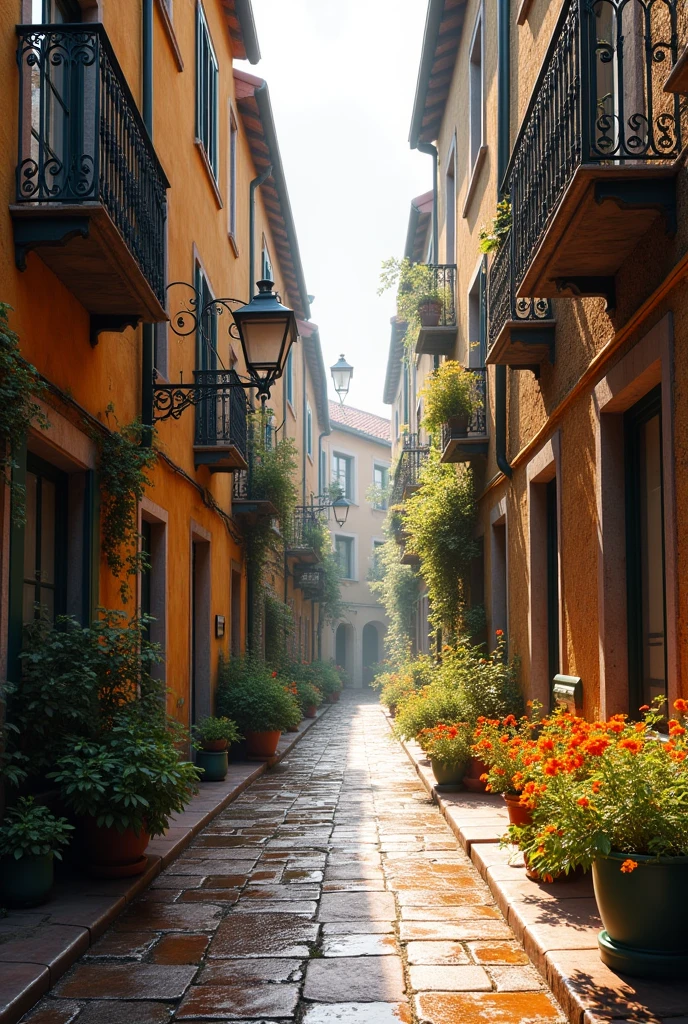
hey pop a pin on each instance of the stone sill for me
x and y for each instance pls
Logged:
(557, 924)
(37, 946)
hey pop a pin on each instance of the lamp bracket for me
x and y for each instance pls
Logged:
(170, 400)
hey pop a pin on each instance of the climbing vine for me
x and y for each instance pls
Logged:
(20, 386)
(440, 518)
(123, 465)
(397, 587)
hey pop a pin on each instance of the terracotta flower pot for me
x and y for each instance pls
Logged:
(643, 913)
(114, 854)
(430, 312)
(333, 698)
(518, 813)
(26, 882)
(447, 775)
(263, 744)
(310, 712)
(471, 779)
(215, 746)
(293, 728)
(458, 425)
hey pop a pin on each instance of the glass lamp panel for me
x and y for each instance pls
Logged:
(263, 342)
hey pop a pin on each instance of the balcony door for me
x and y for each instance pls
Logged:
(54, 12)
(645, 551)
(45, 541)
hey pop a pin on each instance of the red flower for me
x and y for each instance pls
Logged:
(499, 632)
(274, 675)
(583, 801)
(681, 705)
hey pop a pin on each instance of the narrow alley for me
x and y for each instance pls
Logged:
(332, 890)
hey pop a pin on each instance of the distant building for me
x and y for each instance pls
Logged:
(357, 456)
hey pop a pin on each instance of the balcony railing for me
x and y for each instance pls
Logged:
(310, 579)
(598, 103)
(221, 420)
(411, 461)
(462, 442)
(523, 327)
(82, 140)
(438, 312)
(304, 533)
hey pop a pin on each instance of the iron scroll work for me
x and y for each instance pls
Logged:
(212, 383)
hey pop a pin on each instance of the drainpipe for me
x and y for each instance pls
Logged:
(503, 145)
(256, 183)
(148, 333)
(430, 150)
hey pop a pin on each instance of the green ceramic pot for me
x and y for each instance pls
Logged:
(643, 913)
(26, 882)
(447, 775)
(214, 764)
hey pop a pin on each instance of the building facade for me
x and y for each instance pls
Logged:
(356, 458)
(572, 325)
(144, 181)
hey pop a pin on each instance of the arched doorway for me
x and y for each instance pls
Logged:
(344, 647)
(371, 651)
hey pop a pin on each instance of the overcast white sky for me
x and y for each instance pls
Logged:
(342, 77)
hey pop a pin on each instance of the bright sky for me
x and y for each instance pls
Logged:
(342, 77)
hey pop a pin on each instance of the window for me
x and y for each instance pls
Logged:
(309, 430)
(344, 551)
(450, 212)
(645, 551)
(232, 204)
(54, 12)
(477, 320)
(206, 333)
(475, 94)
(45, 541)
(342, 474)
(380, 483)
(289, 377)
(553, 653)
(266, 271)
(206, 91)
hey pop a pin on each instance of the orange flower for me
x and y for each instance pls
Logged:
(596, 747)
(635, 746)
(646, 707)
(499, 632)
(583, 802)
(681, 705)
(553, 766)
(677, 730)
(628, 866)
(483, 777)
(596, 786)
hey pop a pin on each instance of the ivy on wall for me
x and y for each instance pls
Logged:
(397, 587)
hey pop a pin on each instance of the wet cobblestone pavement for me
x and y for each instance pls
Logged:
(331, 892)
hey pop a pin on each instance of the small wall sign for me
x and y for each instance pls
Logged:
(219, 626)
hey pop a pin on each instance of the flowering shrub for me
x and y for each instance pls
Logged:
(508, 747)
(614, 786)
(450, 745)
(395, 686)
(308, 696)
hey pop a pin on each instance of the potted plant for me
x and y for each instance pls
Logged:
(30, 839)
(449, 750)
(213, 737)
(309, 697)
(123, 787)
(449, 397)
(508, 749)
(258, 702)
(615, 799)
(420, 303)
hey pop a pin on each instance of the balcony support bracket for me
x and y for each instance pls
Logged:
(642, 194)
(533, 335)
(39, 232)
(101, 323)
(582, 287)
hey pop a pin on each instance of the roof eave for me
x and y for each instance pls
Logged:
(244, 13)
(427, 58)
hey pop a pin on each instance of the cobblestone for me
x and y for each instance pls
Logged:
(330, 892)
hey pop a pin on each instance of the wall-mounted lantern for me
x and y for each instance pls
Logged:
(342, 372)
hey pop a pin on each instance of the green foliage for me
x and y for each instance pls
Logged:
(254, 697)
(396, 685)
(449, 745)
(332, 607)
(321, 674)
(308, 696)
(123, 466)
(440, 518)
(132, 778)
(212, 730)
(20, 386)
(75, 680)
(416, 285)
(428, 707)
(491, 239)
(31, 830)
(278, 624)
(397, 588)
(450, 390)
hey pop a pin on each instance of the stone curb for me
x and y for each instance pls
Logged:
(38, 946)
(557, 924)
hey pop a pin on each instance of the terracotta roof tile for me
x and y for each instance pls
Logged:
(357, 419)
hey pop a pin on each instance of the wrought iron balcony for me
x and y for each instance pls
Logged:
(304, 534)
(90, 191)
(411, 460)
(465, 438)
(249, 500)
(311, 580)
(221, 440)
(438, 315)
(520, 331)
(596, 156)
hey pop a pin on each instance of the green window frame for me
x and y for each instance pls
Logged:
(207, 75)
(342, 473)
(289, 374)
(553, 651)
(344, 550)
(206, 331)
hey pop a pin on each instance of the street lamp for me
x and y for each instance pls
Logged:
(340, 508)
(267, 330)
(342, 372)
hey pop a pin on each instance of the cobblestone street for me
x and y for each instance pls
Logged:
(332, 890)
